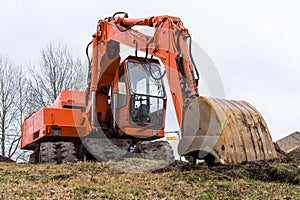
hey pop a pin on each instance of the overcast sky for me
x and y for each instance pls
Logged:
(255, 45)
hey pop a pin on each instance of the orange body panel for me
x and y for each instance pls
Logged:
(39, 125)
(141, 133)
(68, 98)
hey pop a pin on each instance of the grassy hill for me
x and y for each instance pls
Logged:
(85, 180)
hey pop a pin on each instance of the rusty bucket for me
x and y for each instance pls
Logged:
(225, 131)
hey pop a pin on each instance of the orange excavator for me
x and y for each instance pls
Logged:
(123, 110)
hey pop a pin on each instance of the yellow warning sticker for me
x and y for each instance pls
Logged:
(171, 138)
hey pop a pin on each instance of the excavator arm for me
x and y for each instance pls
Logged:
(169, 43)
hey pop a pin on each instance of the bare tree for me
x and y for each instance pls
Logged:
(20, 104)
(8, 99)
(13, 102)
(58, 70)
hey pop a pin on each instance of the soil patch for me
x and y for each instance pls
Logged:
(285, 170)
(5, 159)
(293, 157)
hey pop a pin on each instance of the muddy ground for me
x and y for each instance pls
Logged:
(286, 169)
(293, 157)
(4, 159)
(277, 179)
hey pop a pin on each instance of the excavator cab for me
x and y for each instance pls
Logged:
(139, 98)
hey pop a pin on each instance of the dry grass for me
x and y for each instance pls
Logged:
(97, 181)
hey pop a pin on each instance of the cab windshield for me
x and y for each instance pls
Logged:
(147, 94)
(145, 79)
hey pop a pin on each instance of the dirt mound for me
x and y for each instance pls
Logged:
(293, 157)
(271, 171)
(5, 159)
(181, 166)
